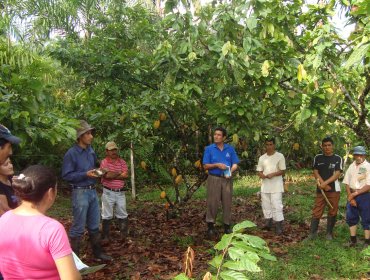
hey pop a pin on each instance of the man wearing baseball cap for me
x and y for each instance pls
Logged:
(357, 180)
(114, 190)
(6, 141)
(79, 170)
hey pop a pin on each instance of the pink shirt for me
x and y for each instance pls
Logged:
(118, 165)
(29, 246)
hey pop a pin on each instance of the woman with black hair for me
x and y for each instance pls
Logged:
(32, 245)
(8, 199)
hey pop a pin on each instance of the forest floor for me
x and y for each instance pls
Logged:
(155, 244)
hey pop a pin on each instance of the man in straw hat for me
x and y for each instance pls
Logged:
(357, 180)
(79, 170)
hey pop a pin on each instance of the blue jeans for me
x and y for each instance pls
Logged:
(86, 212)
(362, 210)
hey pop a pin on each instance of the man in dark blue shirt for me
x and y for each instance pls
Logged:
(221, 161)
(79, 170)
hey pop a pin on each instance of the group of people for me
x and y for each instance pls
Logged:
(34, 246)
(79, 169)
(221, 161)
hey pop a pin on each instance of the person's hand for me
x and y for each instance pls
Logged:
(269, 176)
(351, 196)
(327, 188)
(92, 174)
(222, 166)
(353, 203)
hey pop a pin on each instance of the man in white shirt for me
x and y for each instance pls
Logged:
(357, 180)
(271, 168)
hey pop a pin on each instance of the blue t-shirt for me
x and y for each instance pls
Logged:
(213, 154)
(76, 162)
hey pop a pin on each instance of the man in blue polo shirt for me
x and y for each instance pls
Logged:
(79, 170)
(221, 161)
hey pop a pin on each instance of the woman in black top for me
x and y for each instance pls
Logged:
(8, 200)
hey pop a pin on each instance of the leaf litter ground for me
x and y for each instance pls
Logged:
(155, 245)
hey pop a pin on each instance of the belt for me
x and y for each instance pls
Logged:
(90, 187)
(114, 190)
(220, 176)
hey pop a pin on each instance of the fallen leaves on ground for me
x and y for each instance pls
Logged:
(155, 246)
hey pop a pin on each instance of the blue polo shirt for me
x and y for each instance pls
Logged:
(76, 162)
(213, 154)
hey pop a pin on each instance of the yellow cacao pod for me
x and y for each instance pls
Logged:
(174, 172)
(178, 179)
(143, 165)
(156, 124)
(163, 194)
(162, 117)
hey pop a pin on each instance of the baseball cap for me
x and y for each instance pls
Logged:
(8, 136)
(111, 146)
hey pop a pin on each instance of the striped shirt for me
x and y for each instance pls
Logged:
(118, 165)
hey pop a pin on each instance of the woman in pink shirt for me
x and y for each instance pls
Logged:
(32, 245)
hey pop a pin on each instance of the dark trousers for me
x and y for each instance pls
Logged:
(362, 210)
(219, 190)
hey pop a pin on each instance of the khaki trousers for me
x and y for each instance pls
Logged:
(320, 203)
(219, 190)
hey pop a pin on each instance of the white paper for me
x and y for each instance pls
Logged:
(79, 264)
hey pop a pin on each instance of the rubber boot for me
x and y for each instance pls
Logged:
(268, 224)
(313, 229)
(330, 226)
(279, 228)
(227, 229)
(97, 249)
(211, 231)
(123, 227)
(105, 230)
(76, 244)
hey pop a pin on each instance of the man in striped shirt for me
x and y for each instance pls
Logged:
(113, 189)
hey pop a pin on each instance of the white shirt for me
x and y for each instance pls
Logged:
(270, 164)
(357, 176)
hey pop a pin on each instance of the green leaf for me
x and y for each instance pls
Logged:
(252, 22)
(226, 48)
(216, 261)
(357, 55)
(254, 241)
(240, 111)
(267, 256)
(181, 276)
(243, 225)
(224, 242)
(235, 253)
(305, 114)
(233, 275)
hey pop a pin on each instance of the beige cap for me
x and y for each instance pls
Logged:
(111, 146)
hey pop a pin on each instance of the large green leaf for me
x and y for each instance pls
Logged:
(233, 275)
(243, 225)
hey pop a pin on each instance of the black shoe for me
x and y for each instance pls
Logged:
(227, 229)
(97, 249)
(268, 224)
(279, 228)
(105, 231)
(211, 233)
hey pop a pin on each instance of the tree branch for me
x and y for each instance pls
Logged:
(342, 120)
(343, 88)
